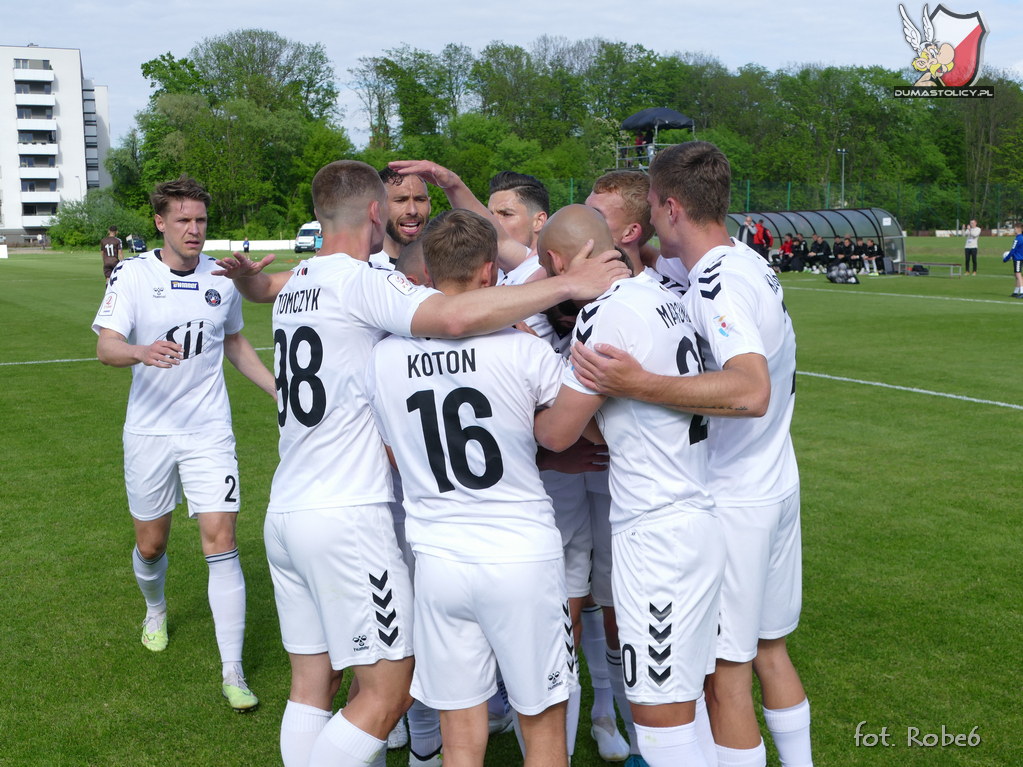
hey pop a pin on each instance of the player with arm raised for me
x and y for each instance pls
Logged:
(341, 586)
(168, 311)
(490, 580)
(667, 543)
(747, 340)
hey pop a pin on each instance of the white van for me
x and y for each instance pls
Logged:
(307, 235)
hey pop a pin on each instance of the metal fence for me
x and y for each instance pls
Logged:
(919, 208)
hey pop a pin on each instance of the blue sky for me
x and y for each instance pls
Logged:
(114, 43)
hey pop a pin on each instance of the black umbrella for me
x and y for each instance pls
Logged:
(656, 118)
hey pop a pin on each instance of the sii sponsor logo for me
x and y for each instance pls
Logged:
(184, 285)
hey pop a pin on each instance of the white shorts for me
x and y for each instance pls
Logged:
(340, 584)
(762, 593)
(158, 467)
(572, 517)
(472, 617)
(667, 581)
(600, 526)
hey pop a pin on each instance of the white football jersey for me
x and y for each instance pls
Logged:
(736, 303)
(146, 302)
(326, 320)
(674, 269)
(382, 260)
(518, 276)
(658, 455)
(458, 415)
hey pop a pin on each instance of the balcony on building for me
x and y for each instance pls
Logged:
(35, 197)
(42, 172)
(35, 123)
(32, 222)
(34, 75)
(42, 148)
(35, 99)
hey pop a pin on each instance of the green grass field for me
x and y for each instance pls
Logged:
(911, 533)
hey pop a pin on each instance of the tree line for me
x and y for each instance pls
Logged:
(254, 115)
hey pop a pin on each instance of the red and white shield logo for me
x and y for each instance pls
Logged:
(966, 33)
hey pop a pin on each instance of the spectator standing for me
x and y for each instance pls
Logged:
(747, 232)
(758, 237)
(972, 233)
(245, 245)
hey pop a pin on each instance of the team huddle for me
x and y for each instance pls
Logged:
(505, 437)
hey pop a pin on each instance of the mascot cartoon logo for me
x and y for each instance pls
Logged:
(950, 52)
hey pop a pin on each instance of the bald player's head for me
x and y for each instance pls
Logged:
(565, 234)
(412, 265)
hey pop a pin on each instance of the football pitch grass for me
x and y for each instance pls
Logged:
(910, 509)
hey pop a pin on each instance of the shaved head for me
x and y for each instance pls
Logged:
(567, 231)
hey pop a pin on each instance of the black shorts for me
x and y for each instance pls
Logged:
(1017, 266)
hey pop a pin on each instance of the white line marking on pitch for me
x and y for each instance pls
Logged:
(912, 389)
(907, 295)
(93, 359)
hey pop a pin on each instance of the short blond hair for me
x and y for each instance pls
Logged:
(633, 187)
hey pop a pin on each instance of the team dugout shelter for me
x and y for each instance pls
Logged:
(868, 223)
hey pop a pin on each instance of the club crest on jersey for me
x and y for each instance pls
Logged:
(212, 297)
(158, 292)
(109, 302)
(722, 324)
(184, 285)
(192, 336)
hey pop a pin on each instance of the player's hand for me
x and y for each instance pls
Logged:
(524, 328)
(161, 354)
(582, 457)
(430, 172)
(606, 369)
(240, 266)
(593, 276)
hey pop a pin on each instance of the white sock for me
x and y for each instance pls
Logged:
(299, 728)
(424, 730)
(572, 718)
(227, 602)
(742, 757)
(594, 647)
(617, 676)
(151, 574)
(704, 736)
(670, 746)
(790, 729)
(342, 744)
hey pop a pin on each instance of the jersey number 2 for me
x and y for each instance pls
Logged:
(458, 437)
(288, 389)
(698, 424)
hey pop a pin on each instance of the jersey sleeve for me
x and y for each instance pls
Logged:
(545, 370)
(117, 312)
(371, 394)
(607, 323)
(726, 315)
(234, 322)
(384, 299)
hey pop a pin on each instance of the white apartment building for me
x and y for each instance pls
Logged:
(54, 134)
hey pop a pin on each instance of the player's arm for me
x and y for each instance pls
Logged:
(477, 312)
(240, 353)
(113, 349)
(250, 279)
(741, 389)
(460, 196)
(562, 424)
(580, 458)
